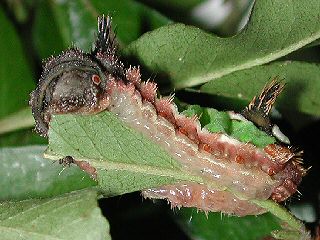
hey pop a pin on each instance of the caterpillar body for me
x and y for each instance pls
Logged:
(88, 83)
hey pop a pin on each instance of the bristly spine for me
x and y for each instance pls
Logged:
(259, 108)
(105, 41)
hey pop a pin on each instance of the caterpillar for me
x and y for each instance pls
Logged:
(88, 83)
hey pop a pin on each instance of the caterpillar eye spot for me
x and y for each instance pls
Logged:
(96, 79)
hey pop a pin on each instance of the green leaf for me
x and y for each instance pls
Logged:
(125, 160)
(24, 174)
(188, 56)
(193, 110)
(217, 121)
(246, 131)
(76, 21)
(219, 226)
(70, 216)
(301, 93)
(292, 228)
(16, 80)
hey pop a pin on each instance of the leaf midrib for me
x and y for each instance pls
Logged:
(176, 173)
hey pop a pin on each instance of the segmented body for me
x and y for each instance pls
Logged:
(89, 83)
(242, 168)
(203, 198)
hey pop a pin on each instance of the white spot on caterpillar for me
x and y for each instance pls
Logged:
(236, 116)
(279, 135)
(225, 138)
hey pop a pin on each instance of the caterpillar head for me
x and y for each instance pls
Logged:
(74, 81)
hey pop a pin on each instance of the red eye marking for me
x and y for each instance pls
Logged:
(96, 79)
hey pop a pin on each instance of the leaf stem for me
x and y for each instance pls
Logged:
(292, 227)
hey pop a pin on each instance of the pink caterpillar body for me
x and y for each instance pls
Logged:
(203, 198)
(95, 82)
(245, 170)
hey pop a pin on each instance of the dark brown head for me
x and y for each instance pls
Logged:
(74, 81)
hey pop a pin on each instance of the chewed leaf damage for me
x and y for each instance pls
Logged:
(88, 83)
